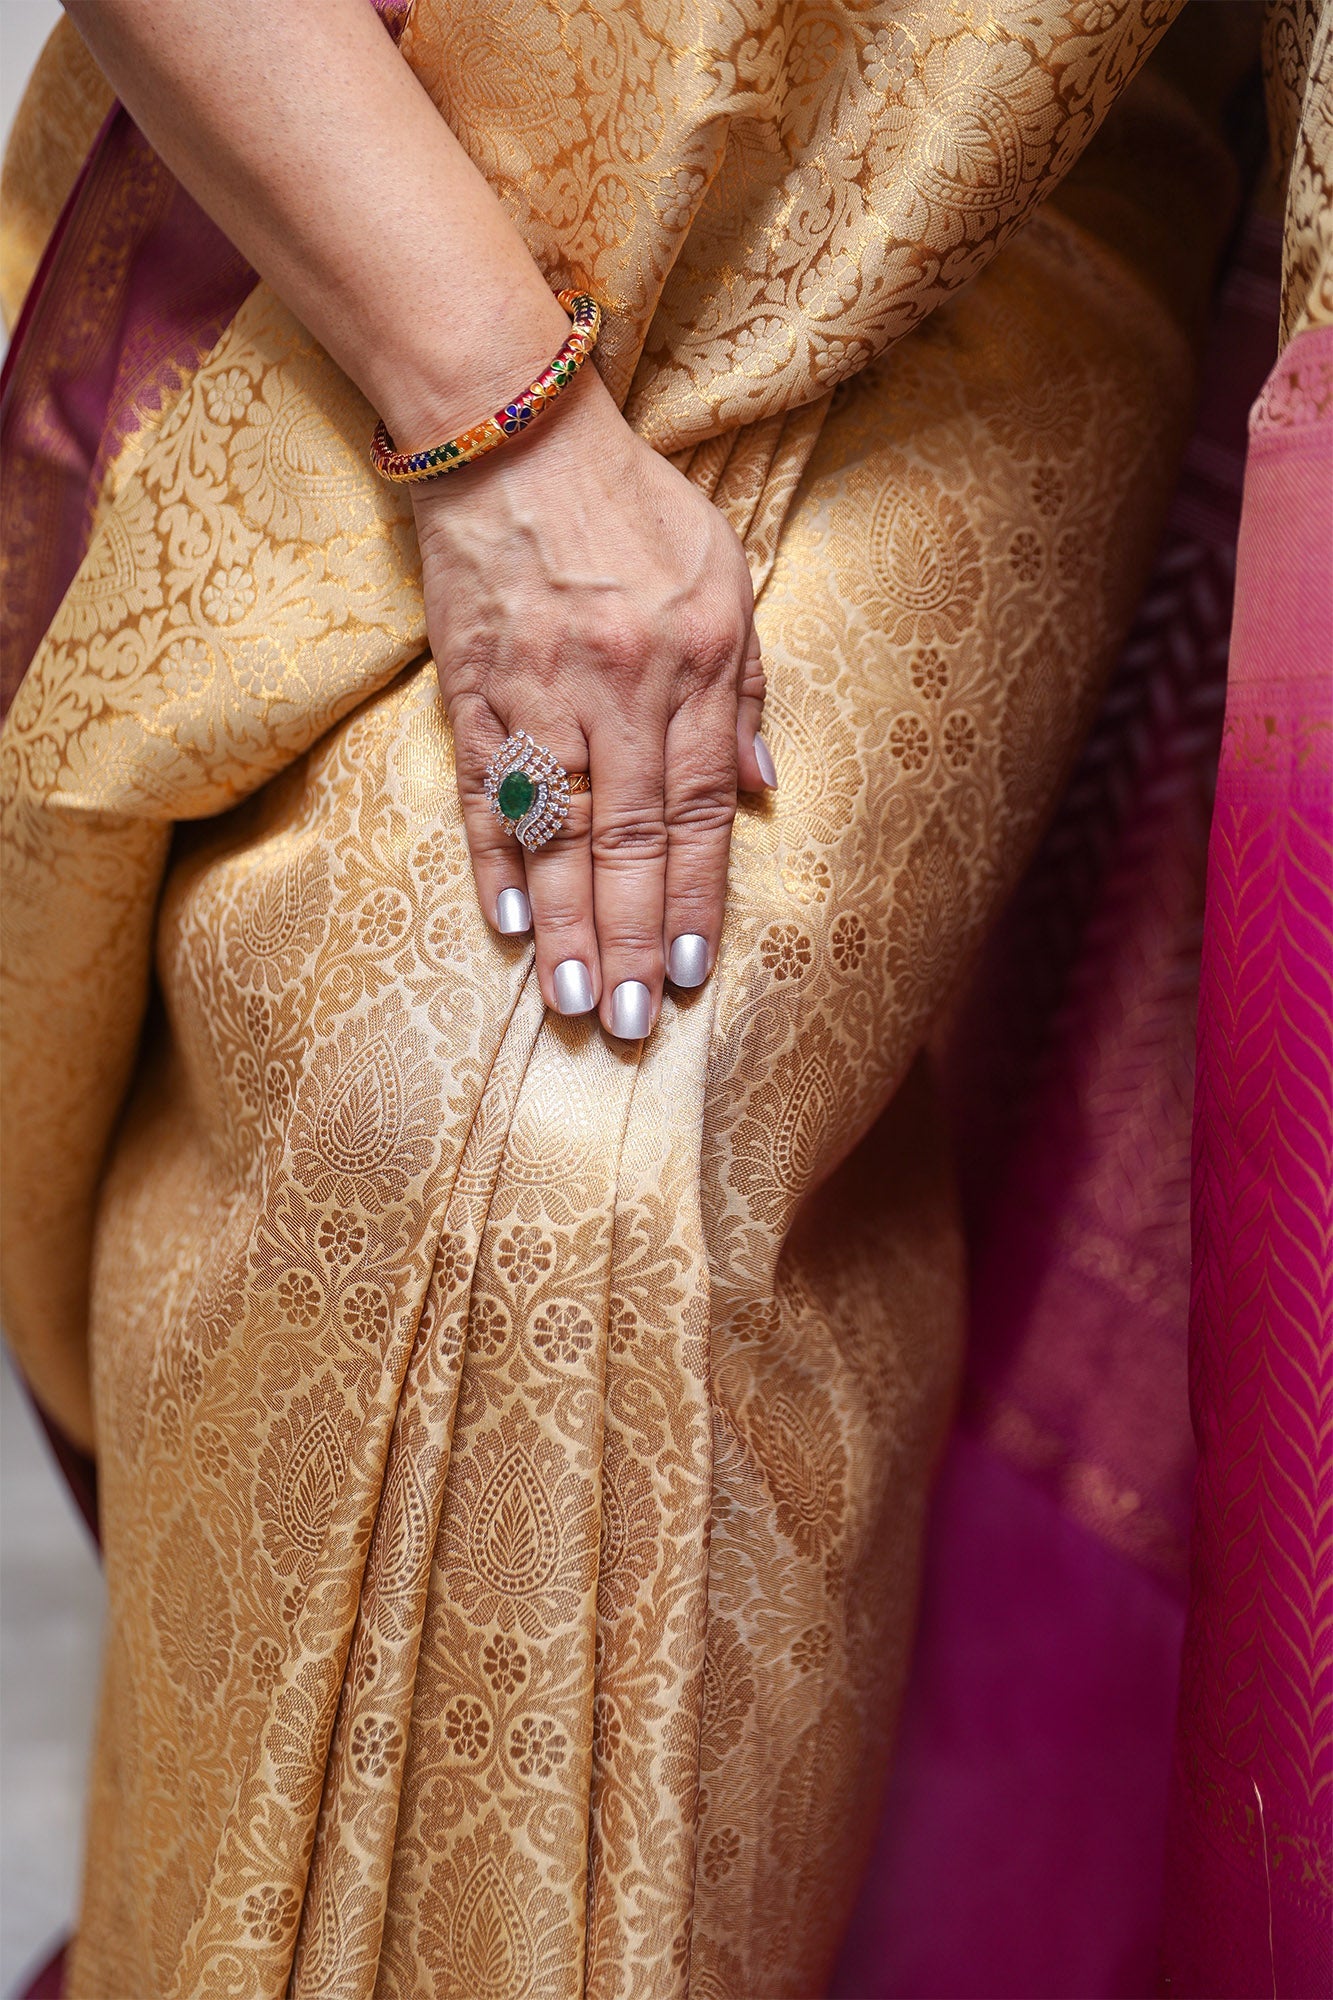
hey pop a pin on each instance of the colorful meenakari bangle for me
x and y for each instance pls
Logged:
(403, 467)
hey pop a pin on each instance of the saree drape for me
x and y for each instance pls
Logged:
(513, 1447)
(1250, 1876)
(1251, 1864)
(1033, 1760)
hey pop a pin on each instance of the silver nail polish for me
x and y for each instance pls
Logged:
(573, 987)
(763, 757)
(687, 960)
(631, 1010)
(513, 913)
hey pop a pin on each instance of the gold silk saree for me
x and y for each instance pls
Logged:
(513, 1446)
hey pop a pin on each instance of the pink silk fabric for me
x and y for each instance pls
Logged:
(1035, 1751)
(1072, 1071)
(1250, 1875)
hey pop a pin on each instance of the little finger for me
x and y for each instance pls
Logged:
(755, 768)
(700, 811)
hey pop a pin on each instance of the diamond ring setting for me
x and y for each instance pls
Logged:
(529, 791)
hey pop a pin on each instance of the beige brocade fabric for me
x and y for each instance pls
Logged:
(514, 1445)
(1298, 62)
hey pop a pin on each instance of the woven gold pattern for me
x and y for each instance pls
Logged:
(514, 1445)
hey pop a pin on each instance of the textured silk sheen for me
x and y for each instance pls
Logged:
(1251, 1878)
(513, 1444)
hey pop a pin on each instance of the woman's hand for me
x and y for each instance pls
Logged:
(579, 588)
(576, 586)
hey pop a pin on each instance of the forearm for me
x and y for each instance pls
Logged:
(305, 135)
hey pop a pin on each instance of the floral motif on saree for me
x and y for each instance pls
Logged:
(514, 1447)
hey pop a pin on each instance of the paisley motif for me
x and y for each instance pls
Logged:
(359, 1123)
(514, 1540)
(310, 1486)
(492, 1947)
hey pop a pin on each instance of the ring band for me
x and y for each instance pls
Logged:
(528, 791)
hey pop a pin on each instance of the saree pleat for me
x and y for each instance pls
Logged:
(1249, 1880)
(514, 1447)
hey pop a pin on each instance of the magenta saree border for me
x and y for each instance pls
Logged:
(1035, 1752)
(1071, 1066)
(1250, 1860)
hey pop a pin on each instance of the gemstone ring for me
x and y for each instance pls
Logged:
(528, 791)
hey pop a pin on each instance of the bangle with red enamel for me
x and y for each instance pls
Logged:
(405, 467)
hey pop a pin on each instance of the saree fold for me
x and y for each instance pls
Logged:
(1251, 1880)
(513, 1447)
(1250, 1875)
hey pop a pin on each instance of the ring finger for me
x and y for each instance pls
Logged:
(497, 859)
(560, 887)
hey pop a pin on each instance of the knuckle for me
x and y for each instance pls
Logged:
(702, 813)
(630, 947)
(629, 836)
(712, 647)
(571, 833)
(623, 645)
(470, 713)
(487, 844)
(475, 743)
(754, 681)
(563, 932)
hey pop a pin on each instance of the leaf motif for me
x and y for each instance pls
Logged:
(515, 1541)
(912, 558)
(314, 1476)
(798, 1464)
(808, 1115)
(270, 917)
(360, 1119)
(491, 1941)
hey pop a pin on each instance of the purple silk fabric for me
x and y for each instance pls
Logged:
(1019, 1854)
(136, 286)
(48, 1983)
(1250, 1880)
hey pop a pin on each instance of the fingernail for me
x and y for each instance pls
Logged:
(687, 960)
(631, 1010)
(513, 913)
(763, 757)
(573, 987)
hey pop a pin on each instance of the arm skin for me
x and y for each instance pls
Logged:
(575, 584)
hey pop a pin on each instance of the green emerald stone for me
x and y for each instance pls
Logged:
(516, 794)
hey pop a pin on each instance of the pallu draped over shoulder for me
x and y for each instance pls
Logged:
(513, 1446)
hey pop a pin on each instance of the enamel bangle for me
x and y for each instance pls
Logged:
(404, 467)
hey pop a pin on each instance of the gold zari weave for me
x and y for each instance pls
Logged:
(514, 1446)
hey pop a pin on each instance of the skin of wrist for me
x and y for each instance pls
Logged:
(438, 391)
(582, 424)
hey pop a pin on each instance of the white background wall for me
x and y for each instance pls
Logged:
(24, 26)
(50, 1585)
